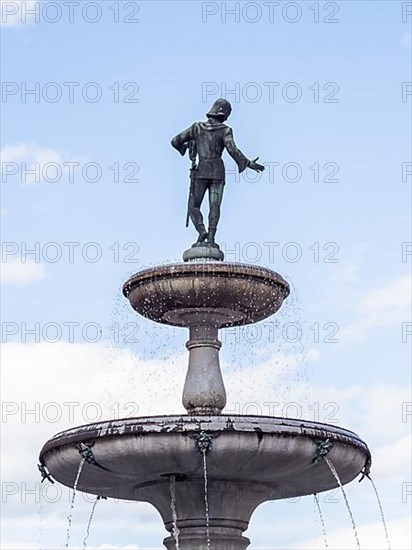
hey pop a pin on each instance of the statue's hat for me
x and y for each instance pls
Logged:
(220, 108)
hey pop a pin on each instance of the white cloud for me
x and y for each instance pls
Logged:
(14, 153)
(338, 284)
(14, 271)
(388, 305)
(266, 388)
(395, 294)
(393, 459)
(13, 12)
(34, 164)
(371, 537)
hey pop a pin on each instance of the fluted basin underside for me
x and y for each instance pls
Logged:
(229, 293)
(252, 459)
(136, 452)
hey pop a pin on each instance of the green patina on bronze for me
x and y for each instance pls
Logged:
(205, 143)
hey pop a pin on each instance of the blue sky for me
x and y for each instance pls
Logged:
(331, 96)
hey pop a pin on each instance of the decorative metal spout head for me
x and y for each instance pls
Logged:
(86, 453)
(44, 473)
(366, 469)
(322, 450)
(203, 442)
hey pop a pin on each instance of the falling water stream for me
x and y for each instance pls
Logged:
(336, 476)
(321, 519)
(69, 517)
(89, 523)
(40, 531)
(206, 499)
(175, 530)
(388, 542)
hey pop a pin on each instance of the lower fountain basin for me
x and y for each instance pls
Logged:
(137, 453)
(226, 293)
(252, 459)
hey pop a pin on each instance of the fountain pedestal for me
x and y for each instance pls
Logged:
(226, 534)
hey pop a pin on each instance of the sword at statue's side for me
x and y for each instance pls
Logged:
(193, 168)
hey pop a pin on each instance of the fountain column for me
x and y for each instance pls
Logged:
(231, 504)
(224, 536)
(204, 391)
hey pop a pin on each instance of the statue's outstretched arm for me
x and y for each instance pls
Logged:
(241, 160)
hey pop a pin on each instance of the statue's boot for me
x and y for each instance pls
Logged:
(211, 237)
(201, 229)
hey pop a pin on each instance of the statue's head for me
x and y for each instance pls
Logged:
(220, 110)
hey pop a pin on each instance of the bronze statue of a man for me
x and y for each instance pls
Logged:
(207, 141)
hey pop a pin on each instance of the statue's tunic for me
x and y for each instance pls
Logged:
(210, 139)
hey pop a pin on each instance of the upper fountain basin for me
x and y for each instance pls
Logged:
(223, 293)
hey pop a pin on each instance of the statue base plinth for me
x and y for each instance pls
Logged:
(203, 253)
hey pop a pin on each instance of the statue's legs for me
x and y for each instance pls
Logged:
(195, 214)
(215, 200)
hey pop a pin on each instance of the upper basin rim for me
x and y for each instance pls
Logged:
(206, 268)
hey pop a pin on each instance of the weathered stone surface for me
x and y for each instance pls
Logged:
(231, 293)
(252, 460)
(204, 391)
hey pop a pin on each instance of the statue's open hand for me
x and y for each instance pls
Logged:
(253, 165)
